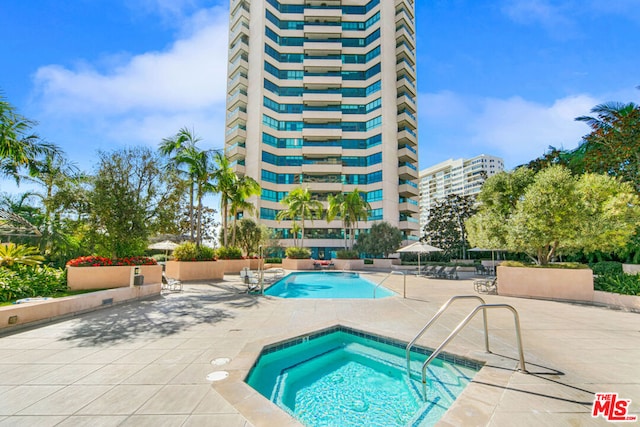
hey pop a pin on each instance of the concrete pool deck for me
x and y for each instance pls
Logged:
(146, 362)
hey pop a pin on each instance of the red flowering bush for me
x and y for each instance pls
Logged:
(99, 261)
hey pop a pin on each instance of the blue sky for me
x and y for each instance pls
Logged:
(501, 77)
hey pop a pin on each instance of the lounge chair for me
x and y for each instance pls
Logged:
(426, 271)
(486, 286)
(449, 273)
(481, 270)
(436, 272)
(169, 284)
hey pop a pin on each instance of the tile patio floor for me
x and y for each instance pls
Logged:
(145, 363)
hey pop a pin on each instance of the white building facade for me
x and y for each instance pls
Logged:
(322, 95)
(462, 176)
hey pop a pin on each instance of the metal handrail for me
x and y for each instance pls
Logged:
(381, 282)
(464, 323)
(436, 316)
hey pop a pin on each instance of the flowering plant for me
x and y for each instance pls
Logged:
(99, 261)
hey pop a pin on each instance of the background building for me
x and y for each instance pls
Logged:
(462, 176)
(322, 94)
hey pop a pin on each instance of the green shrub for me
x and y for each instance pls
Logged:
(229, 252)
(160, 257)
(559, 265)
(347, 254)
(190, 252)
(607, 268)
(625, 284)
(27, 281)
(273, 260)
(298, 253)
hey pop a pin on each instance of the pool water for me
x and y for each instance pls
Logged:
(326, 285)
(343, 377)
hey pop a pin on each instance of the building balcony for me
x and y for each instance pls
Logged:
(407, 190)
(238, 64)
(322, 31)
(406, 137)
(403, 18)
(319, 187)
(408, 173)
(406, 103)
(322, 82)
(321, 116)
(323, 48)
(321, 133)
(409, 226)
(233, 136)
(322, 98)
(407, 119)
(408, 208)
(406, 154)
(321, 168)
(321, 151)
(321, 65)
(235, 152)
(234, 101)
(238, 82)
(239, 169)
(235, 117)
(404, 85)
(403, 52)
(323, 14)
(402, 35)
(404, 68)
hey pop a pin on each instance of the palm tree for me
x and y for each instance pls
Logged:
(351, 208)
(182, 152)
(19, 148)
(225, 179)
(336, 210)
(608, 115)
(245, 188)
(300, 205)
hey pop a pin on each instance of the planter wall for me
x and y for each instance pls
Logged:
(385, 262)
(628, 302)
(38, 311)
(546, 283)
(631, 268)
(297, 264)
(234, 266)
(109, 277)
(196, 270)
(254, 264)
(348, 264)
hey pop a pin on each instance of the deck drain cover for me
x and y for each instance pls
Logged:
(220, 361)
(217, 375)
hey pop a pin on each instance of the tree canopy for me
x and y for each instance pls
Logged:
(446, 226)
(381, 240)
(554, 212)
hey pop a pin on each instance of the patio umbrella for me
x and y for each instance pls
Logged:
(419, 248)
(165, 245)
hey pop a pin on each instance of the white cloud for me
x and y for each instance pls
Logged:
(140, 99)
(553, 18)
(516, 129)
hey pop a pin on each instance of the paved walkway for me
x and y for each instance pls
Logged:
(146, 363)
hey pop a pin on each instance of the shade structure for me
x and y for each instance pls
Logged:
(493, 262)
(419, 248)
(165, 245)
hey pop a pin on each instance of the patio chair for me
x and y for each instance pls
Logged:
(486, 286)
(481, 270)
(437, 271)
(426, 271)
(252, 282)
(169, 284)
(449, 273)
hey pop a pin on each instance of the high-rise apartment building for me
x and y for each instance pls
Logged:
(462, 176)
(322, 94)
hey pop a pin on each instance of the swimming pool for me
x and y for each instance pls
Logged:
(345, 377)
(326, 284)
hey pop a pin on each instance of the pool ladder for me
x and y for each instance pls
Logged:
(484, 307)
